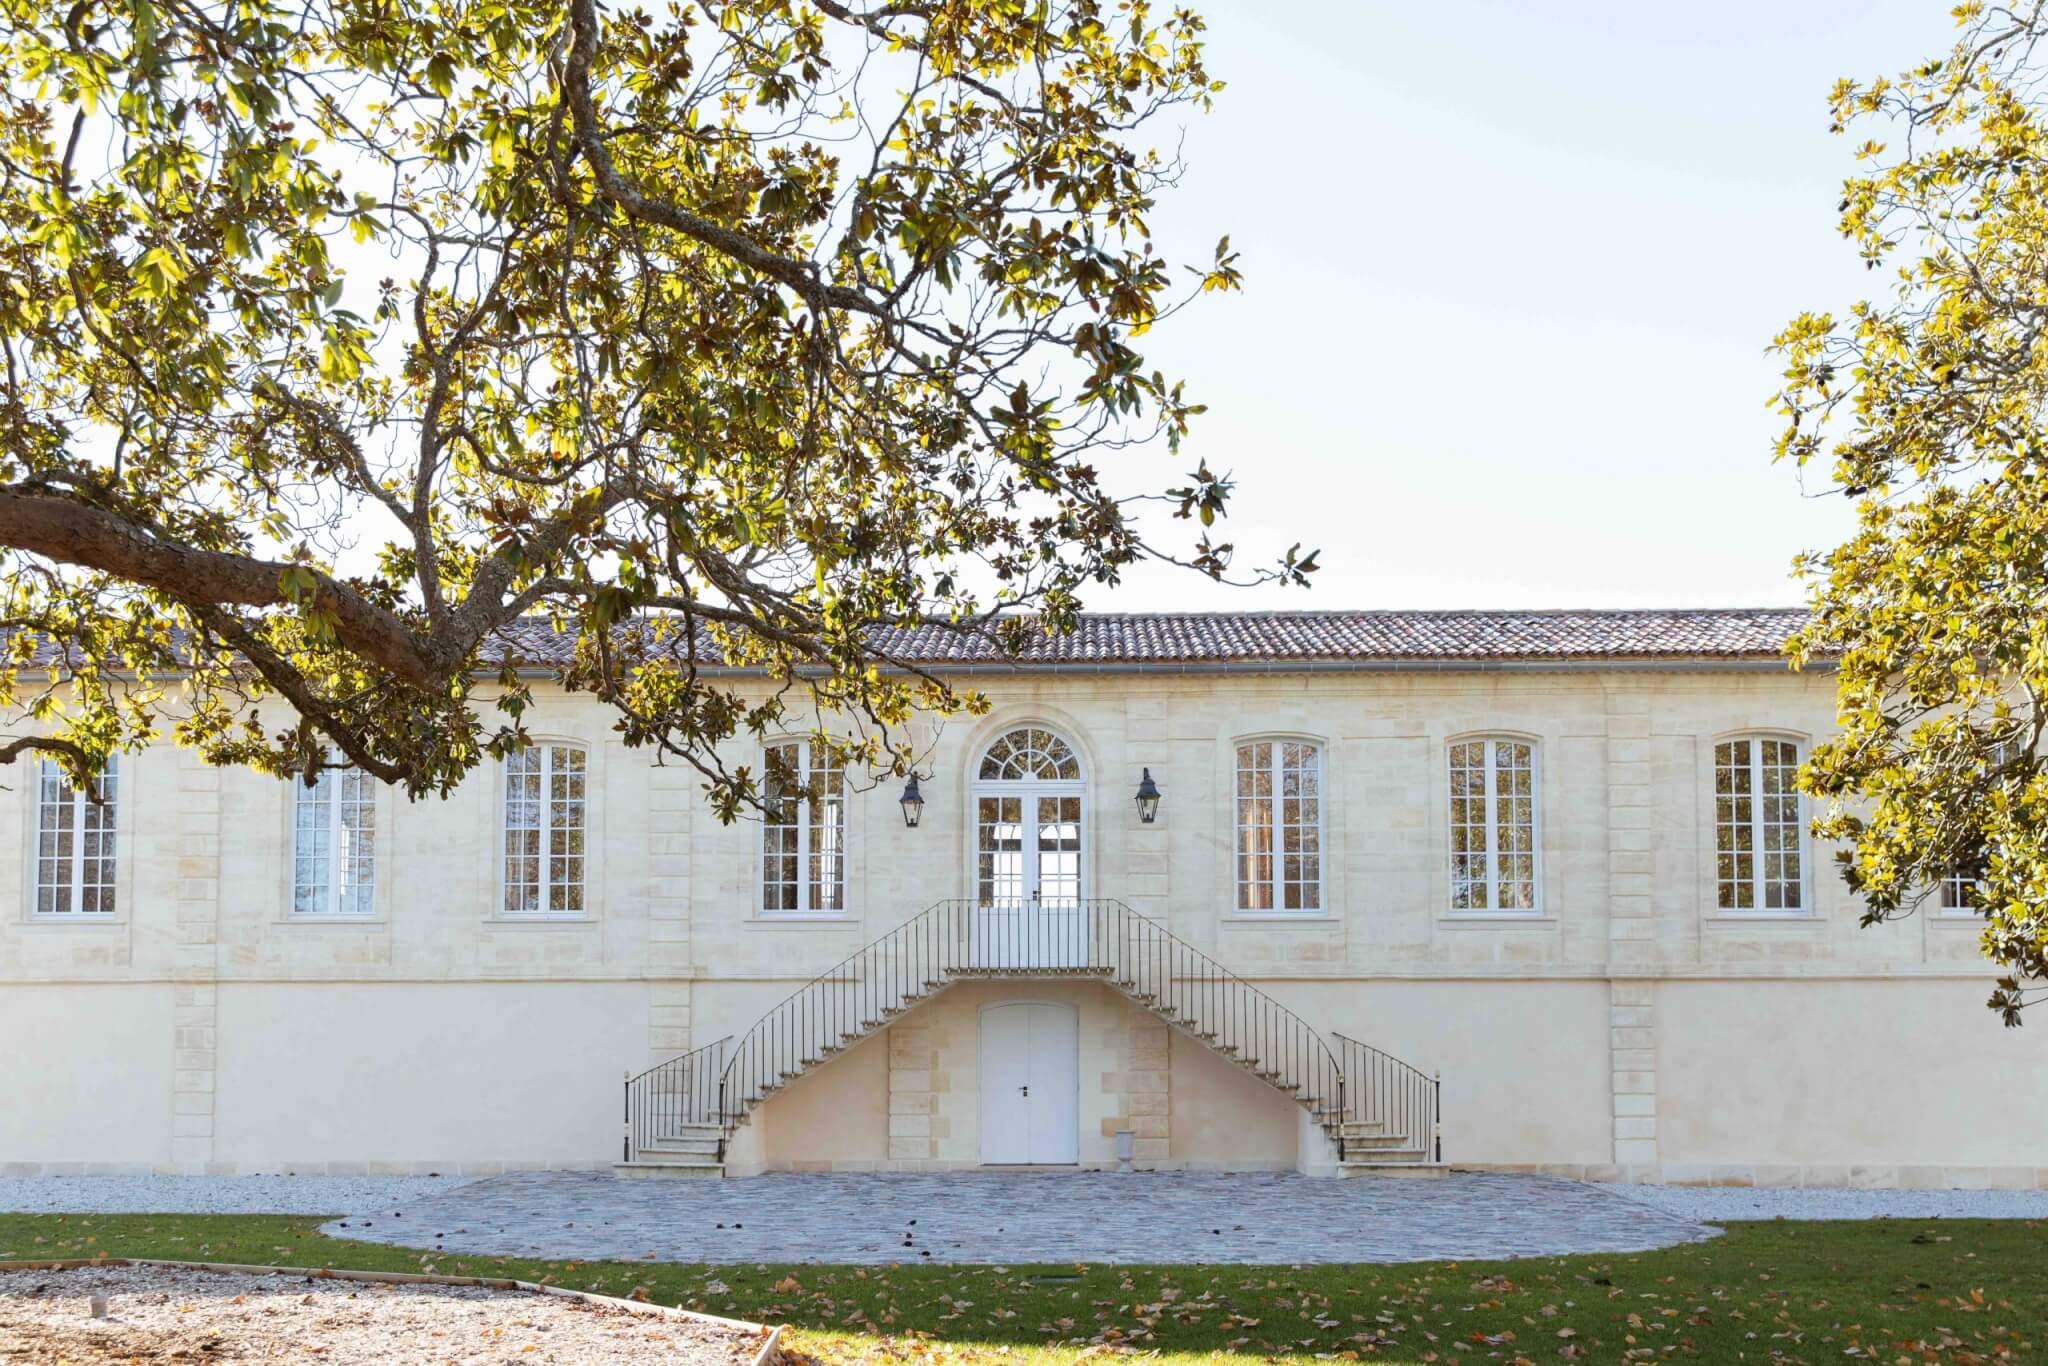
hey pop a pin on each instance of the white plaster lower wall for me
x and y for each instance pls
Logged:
(1876, 1081)
(441, 1075)
(1526, 1079)
(833, 1118)
(1874, 1075)
(1224, 1118)
(86, 1076)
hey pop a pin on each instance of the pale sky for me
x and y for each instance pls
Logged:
(1511, 270)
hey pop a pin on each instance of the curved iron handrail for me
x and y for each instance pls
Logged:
(1404, 1101)
(673, 1094)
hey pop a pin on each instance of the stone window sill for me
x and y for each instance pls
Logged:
(1972, 921)
(801, 922)
(69, 922)
(360, 921)
(1290, 920)
(1496, 922)
(539, 922)
(1765, 918)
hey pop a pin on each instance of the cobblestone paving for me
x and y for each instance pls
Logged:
(1024, 1218)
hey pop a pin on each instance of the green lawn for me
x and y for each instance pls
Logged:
(1883, 1290)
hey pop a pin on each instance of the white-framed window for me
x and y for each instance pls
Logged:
(544, 831)
(1493, 826)
(803, 834)
(1959, 889)
(1279, 794)
(1959, 893)
(334, 843)
(74, 844)
(1759, 834)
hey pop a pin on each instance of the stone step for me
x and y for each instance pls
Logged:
(668, 1169)
(1378, 1140)
(1411, 1171)
(693, 1143)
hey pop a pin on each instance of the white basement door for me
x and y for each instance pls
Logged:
(1030, 1085)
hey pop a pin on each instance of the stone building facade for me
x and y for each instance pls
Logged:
(1530, 876)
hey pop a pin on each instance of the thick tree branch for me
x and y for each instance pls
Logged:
(64, 529)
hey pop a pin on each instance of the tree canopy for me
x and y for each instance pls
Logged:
(1926, 407)
(339, 335)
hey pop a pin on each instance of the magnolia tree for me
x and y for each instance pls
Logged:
(339, 335)
(1926, 406)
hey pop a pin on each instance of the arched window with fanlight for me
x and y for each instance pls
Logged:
(1028, 754)
(1028, 793)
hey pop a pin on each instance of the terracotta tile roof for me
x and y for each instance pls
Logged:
(1281, 638)
(1278, 640)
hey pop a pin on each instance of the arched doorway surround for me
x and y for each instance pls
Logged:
(1029, 874)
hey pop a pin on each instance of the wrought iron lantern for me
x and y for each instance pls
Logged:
(912, 802)
(1148, 798)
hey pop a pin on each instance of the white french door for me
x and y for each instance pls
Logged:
(1029, 910)
(1030, 1084)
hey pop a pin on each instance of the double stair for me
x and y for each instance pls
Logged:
(1379, 1114)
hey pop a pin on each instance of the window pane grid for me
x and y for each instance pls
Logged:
(334, 844)
(75, 844)
(1030, 752)
(999, 850)
(1759, 838)
(1493, 826)
(1279, 802)
(803, 832)
(544, 831)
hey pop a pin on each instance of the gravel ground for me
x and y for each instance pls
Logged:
(1713, 1203)
(217, 1194)
(164, 1313)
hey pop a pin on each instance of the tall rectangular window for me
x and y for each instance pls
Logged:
(544, 828)
(1279, 826)
(1759, 838)
(74, 843)
(1493, 826)
(803, 834)
(334, 843)
(1961, 889)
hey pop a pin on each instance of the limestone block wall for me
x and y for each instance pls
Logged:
(1622, 1030)
(1141, 1088)
(918, 1085)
